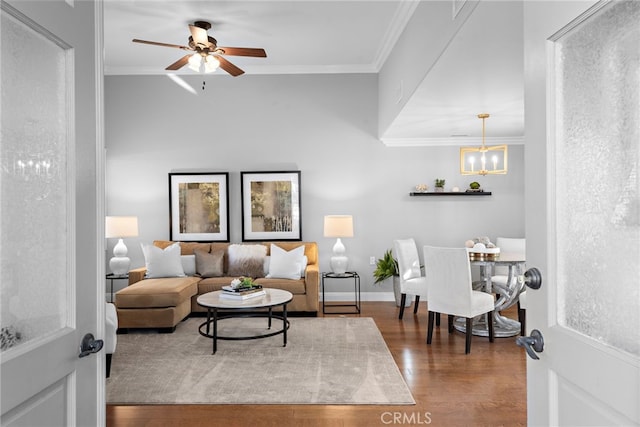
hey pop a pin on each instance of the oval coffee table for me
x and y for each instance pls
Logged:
(243, 308)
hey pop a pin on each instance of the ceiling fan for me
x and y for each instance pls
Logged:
(208, 54)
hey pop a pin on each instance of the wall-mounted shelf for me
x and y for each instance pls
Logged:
(451, 193)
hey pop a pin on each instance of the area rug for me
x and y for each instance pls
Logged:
(342, 361)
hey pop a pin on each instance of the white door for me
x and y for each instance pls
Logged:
(582, 85)
(51, 198)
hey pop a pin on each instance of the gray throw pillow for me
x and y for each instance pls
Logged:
(209, 264)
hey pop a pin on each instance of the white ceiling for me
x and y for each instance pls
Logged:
(481, 70)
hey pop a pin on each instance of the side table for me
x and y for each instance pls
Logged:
(352, 275)
(111, 277)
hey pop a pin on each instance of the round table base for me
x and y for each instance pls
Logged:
(502, 326)
(208, 324)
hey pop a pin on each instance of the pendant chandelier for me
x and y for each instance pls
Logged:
(483, 160)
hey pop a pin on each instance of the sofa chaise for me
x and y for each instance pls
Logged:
(168, 297)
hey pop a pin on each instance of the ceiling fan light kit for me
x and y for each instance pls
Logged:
(194, 62)
(483, 160)
(211, 63)
(207, 56)
(205, 63)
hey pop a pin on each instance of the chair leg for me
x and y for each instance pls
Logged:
(451, 323)
(438, 319)
(430, 327)
(415, 304)
(403, 301)
(522, 318)
(109, 364)
(490, 323)
(467, 346)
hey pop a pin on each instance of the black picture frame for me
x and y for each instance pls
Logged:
(199, 206)
(271, 206)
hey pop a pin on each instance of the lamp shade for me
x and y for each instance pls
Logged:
(121, 226)
(338, 226)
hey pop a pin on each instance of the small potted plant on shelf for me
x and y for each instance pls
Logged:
(386, 267)
(475, 187)
(439, 185)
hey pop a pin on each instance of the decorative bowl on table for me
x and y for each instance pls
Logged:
(486, 254)
(481, 249)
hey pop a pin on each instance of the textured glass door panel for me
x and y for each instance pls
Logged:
(597, 187)
(35, 217)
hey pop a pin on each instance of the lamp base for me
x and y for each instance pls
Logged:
(339, 264)
(119, 265)
(339, 260)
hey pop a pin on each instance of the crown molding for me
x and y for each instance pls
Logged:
(403, 14)
(455, 141)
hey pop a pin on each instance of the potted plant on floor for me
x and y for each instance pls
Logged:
(386, 267)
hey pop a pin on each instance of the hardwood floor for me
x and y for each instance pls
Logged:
(484, 388)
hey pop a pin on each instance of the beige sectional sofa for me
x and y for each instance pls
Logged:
(164, 302)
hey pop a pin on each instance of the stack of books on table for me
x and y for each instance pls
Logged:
(242, 293)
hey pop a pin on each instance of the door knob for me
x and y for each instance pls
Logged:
(532, 344)
(533, 278)
(90, 345)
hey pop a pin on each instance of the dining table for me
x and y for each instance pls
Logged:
(506, 294)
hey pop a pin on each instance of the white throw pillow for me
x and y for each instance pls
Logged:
(303, 265)
(188, 264)
(162, 263)
(286, 264)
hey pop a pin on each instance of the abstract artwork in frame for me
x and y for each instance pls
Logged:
(271, 206)
(199, 207)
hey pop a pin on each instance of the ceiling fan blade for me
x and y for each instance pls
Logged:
(199, 35)
(244, 51)
(161, 44)
(179, 63)
(229, 67)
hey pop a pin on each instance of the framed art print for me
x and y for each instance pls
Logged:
(270, 206)
(199, 207)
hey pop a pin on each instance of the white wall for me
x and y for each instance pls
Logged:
(323, 125)
(426, 36)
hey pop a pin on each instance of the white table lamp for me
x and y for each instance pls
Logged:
(338, 226)
(120, 227)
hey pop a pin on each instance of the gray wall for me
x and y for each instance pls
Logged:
(322, 125)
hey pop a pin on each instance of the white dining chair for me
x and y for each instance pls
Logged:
(500, 277)
(508, 245)
(448, 274)
(412, 281)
